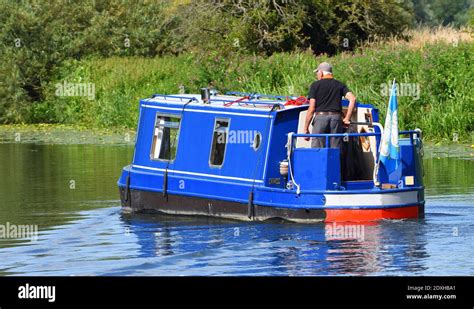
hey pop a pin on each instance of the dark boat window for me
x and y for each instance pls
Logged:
(165, 137)
(219, 142)
(257, 140)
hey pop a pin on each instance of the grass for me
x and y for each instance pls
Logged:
(418, 38)
(437, 61)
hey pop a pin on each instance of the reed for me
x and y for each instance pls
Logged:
(439, 72)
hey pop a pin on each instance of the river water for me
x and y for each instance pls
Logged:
(69, 192)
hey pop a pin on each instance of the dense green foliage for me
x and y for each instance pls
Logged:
(443, 72)
(442, 12)
(37, 37)
(324, 26)
(130, 50)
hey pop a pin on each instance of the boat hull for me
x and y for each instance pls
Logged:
(150, 202)
(142, 201)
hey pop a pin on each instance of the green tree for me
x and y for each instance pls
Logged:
(262, 26)
(334, 25)
(442, 12)
(37, 37)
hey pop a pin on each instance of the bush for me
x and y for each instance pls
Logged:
(37, 37)
(442, 72)
(263, 46)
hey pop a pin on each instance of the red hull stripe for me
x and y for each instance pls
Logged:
(358, 215)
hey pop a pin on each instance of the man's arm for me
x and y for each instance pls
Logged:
(352, 99)
(309, 115)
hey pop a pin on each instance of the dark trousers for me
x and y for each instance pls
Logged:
(327, 124)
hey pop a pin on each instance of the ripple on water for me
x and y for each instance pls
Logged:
(83, 232)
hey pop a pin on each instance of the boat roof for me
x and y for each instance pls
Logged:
(245, 102)
(232, 101)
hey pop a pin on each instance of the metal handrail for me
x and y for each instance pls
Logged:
(292, 136)
(259, 95)
(336, 134)
(248, 102)
(329, 135)
(418, 133)
(165, 96)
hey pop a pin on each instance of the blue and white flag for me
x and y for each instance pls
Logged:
(389, 150)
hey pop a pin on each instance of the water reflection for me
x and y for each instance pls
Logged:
(387, 245)
(285, 248)
(82, 230)
(47, 185)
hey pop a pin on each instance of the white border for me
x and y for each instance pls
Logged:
(382, 199)
(196, 174)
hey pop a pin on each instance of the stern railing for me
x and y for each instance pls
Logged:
(292, 136)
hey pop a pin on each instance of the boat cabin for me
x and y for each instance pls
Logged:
(231, 138)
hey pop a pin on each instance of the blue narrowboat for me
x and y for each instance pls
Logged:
(243, 156)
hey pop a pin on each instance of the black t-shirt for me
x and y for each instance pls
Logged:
(328, 93)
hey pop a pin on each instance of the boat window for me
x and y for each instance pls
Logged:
(165, 137)
(219, 142)
(257, 140)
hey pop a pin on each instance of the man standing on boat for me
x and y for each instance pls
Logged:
(325, 100)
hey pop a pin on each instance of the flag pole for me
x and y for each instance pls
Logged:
(376, 169)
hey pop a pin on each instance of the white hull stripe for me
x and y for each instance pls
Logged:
(208, 112)
(197, 174)
(396, 198)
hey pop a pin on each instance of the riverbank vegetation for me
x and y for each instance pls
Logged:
(65, 134)
(124, 52)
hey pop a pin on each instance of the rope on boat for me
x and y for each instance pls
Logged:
(165, 175)
(237, 101)
(128, 197)
(165, 184)
(298, 101)
(377, 157)
(289, 146)
(251, 206)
